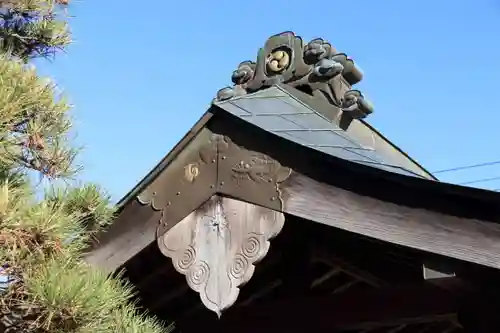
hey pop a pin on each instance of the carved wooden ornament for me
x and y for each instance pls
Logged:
(217, 246)
(286, 59)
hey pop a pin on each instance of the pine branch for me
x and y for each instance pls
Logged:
(33, 28)
(49, 287)
(64, 296)
(34, 122)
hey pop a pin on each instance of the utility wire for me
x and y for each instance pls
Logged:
(473, 166)
(483, 180)
(468, 167)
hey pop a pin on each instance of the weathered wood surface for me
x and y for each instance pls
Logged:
(217, 246)
(465, 239)
(133, 230)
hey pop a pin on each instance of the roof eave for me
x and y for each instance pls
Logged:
(134, 192)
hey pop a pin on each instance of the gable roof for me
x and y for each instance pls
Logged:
(382, 160)
(302, 94)
(282, 113)
(296, 105)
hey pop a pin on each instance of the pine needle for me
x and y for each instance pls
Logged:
(45, 285)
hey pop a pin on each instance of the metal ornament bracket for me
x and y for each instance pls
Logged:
(316, 68)
(250, 176)
(218, 167)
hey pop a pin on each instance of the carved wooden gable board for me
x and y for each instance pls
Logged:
(217, 245)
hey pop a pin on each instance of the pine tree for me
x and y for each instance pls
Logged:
(46, 286)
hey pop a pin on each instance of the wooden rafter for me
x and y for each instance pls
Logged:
(350, 310)
(348, 267)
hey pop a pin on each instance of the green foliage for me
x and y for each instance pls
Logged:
(89, 204)
(50, 287)
(68, 296)
(34, 122)
(33, 28)
(79, 297)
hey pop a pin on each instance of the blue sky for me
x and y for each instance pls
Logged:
(141, 76)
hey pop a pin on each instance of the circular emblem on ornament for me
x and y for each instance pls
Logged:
(278, 60)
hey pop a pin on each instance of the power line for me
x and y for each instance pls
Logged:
(468, 167)
(473, 166)
(483, 180)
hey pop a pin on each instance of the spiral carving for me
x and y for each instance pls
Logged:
(198, 274)
(251, 249)
(191, 172)
(217, 261)
(239, 267)
(187, 259)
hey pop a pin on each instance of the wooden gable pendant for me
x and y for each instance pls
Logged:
(217, 245)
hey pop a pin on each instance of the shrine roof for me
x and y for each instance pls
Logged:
(278, 111)
(300, 97)
(290, 135)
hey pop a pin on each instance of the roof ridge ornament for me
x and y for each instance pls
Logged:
(316, 68)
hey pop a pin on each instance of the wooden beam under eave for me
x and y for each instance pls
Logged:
(368, 309)
(133, 230)
(460, 238)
